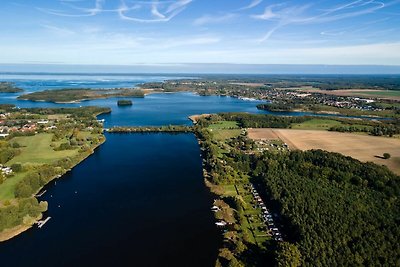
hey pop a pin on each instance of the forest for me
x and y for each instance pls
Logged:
(339, 211)
(334, 210)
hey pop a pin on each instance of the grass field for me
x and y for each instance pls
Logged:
(225, 130)
(316, 124)
(37, 150)
(8, 186)
(361, 147)
(226, 134)
(230, 190)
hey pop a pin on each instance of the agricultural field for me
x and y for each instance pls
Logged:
(382, 94)
(362, 147)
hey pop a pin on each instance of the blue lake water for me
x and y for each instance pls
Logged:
(154, 109)
(140, 200)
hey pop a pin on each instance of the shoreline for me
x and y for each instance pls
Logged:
(10, 233)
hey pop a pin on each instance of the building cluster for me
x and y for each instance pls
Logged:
(11, 126)
(266, 215)
(288, 95)
(266, 145)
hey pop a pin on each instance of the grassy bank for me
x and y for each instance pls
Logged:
(37, 157)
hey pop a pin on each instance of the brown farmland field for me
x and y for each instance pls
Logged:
(361, 147)
(368, 93)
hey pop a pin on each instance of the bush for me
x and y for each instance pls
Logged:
(386, 155)
(16, 167)
(15, 145)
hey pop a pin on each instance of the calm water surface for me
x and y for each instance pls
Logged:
(139, 200)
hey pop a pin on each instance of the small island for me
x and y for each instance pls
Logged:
(7, 87)
(81, 94)
(124, 102)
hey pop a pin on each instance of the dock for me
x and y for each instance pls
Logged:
(43, 222)
(41, 194)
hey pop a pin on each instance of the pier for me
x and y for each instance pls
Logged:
(43, 222)
(41, 194)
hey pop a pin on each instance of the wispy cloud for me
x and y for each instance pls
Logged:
(58, 30)
(170, 11)
(253, 4)
(84, 12)
(124, 10)
(284, 15)
(208, 19)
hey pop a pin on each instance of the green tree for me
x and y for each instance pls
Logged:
(288, 255)
(16, 167)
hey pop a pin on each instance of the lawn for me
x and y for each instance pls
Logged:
(37, 150)
(316, 124)
(226, 134)
(8, 186)
(229, 190)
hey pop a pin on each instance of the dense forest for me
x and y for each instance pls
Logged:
(246, 120)
(340, 212)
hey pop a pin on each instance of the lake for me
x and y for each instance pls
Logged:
(140, 200)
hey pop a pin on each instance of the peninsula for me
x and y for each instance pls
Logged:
(69, 95)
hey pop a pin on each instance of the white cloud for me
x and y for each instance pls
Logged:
(58, 30)
(284, 15)
(208, 19)
(253, 4)
(150, 10)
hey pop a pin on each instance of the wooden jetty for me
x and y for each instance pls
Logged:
(43, 222)
(41, 194)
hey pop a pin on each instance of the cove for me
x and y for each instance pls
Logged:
(140, 200)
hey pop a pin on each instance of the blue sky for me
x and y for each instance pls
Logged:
(123, 32)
